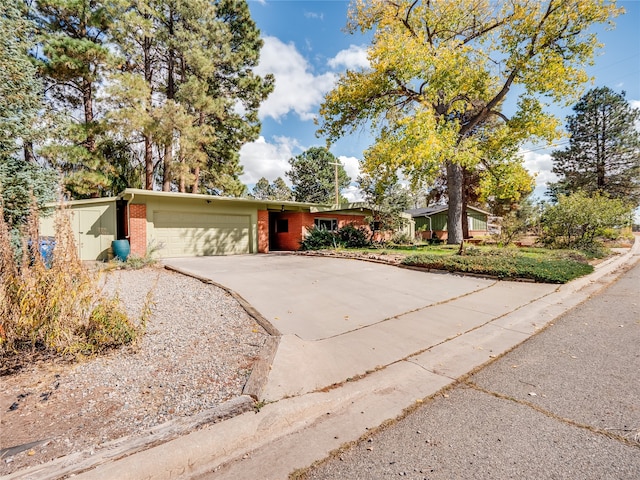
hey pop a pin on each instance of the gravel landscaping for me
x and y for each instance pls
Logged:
(197, 353)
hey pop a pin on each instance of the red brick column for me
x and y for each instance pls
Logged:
(138, 229)
(263, 231)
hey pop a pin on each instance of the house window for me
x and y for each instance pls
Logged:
(329, 224)
(282, 225)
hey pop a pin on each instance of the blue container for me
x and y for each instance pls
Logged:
(121, 249)
(46, 246)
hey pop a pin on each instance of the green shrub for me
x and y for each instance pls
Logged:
(402, 239)
(317, 239)
(578, 220)
(554, 270)
(348, 236)
(351, 236)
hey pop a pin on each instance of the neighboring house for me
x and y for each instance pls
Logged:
(186, 224)
(431, 222)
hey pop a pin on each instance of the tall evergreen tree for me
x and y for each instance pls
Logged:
(281, 190)
(262, 190)
(188, 68)
(72, 58)
(313, 176)
(603, 155)
(20, 89)
(278, 190)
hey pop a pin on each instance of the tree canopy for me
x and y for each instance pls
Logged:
(278, 190)
(603, 155)
(20, 89)
(440, 72)
(159, 94)
(313, 176)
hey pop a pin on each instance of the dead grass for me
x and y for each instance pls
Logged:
(55, 309)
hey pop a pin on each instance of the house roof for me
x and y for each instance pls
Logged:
(429, 211)
(130, 193)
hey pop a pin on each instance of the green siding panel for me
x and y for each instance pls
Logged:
(198, 234)
(93, 223)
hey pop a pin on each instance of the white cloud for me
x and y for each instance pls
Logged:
(540, 164)
(319, 16)
(351, 166)
(297, 89)
(352, 58)
(635, 104)
(352, 193)
(269, 160)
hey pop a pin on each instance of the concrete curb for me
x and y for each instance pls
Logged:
(127, 447)
(260, 372)
(253, 313)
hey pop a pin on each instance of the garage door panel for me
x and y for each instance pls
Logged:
(188, 234)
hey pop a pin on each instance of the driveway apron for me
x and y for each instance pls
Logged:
(342, 318)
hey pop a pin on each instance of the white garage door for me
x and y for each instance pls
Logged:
(185, 234)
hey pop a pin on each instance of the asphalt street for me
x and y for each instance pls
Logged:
(565, 404)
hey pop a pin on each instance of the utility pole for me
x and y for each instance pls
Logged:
(336, 182)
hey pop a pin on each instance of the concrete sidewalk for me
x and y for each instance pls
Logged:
(564, 404)
(344, 366)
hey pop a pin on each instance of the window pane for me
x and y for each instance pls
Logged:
(282, 225)
(330, 224)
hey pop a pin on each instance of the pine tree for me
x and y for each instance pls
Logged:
(262, 190)
(20, 89)
(281, 190)
(603, 155)
(313, 176)
(72, 58)
(188, 66)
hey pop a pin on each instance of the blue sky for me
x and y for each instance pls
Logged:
(306, 48)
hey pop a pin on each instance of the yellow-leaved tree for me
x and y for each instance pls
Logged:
(440, 71)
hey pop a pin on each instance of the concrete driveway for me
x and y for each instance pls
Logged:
(317, 297)
(341, 318)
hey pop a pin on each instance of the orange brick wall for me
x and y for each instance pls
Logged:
(263, 231)
(138, 229)
(297, 225)
(301, 222)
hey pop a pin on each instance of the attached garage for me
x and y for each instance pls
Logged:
(187, 234)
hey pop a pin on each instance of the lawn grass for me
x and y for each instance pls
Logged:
(535, 264)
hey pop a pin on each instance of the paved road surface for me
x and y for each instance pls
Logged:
(564, 405)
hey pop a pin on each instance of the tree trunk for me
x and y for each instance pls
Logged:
(466, 185)
(168, 160)
(170, 92)
(454, 189)
(182, 184)
(148, 138)
(148, 162)
(196, 169)
(601, 154)
(27, 148)
(196, 180)
(87, 101)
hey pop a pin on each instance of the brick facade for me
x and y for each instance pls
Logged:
(299, 223)
(263, 231)
(138, 229)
